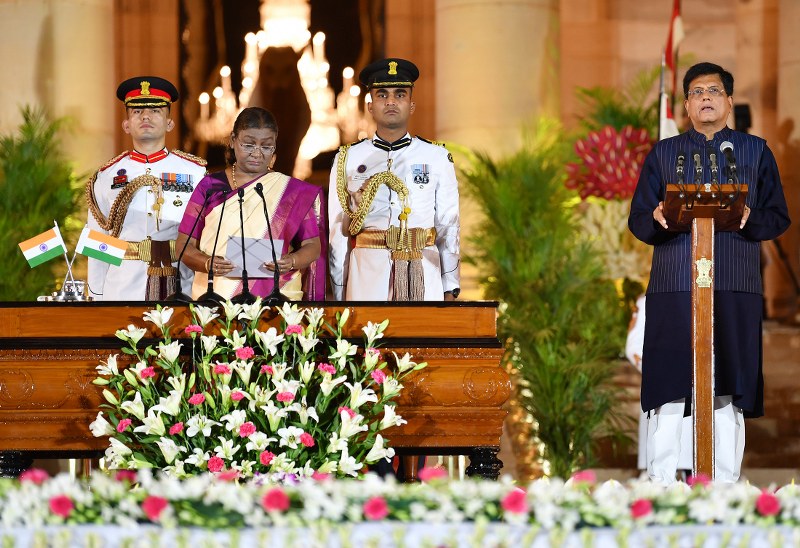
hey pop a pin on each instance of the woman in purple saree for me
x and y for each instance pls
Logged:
(296, 213)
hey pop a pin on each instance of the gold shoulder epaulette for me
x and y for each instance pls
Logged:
(191, 157)
(353, 143)
(113, 161)
(438, 143)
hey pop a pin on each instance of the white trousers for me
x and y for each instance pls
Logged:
(664, 433)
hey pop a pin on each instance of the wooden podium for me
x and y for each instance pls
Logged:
(703, 208)
(49, 351)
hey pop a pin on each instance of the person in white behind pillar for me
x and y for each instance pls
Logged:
(393, 203)
(140, 197)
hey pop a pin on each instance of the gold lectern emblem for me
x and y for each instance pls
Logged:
(392, 67)
(704, 272)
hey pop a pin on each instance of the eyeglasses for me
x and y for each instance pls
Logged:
(697, 93)
(251, 149)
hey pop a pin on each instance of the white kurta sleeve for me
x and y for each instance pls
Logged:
(339, 242)
(448, 239)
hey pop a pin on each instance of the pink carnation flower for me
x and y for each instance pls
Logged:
(245, 353)
(285, 396)
(376, 508)
(372, 350)
(768, 504)
(228, 475)
(320, 476)
(378, 376)
(153, 506)
(123, 424)
(215, 464)
(293, 329)
(247, 429)
(700, 479)
(147, 373)
(237, 396)
(176, 428)
(432, 473)
(275, 500)
(37, 476)
(515, 502)
(61, 505)
(197, 399)
(193, 329)
(585, 476)
(326, 368)
(222, 369)
(267, 369)
(307, 439)
(125, 475)
(266, 457)
(641, 508)
(347, 410)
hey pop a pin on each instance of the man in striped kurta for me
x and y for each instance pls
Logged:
(738, 306)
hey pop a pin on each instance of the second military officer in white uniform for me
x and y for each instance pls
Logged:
(393, 203)
(140, 197)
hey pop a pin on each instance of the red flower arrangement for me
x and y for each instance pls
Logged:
(609, 163)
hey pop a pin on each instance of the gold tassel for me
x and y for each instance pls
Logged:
(400, 280)
(416, 281)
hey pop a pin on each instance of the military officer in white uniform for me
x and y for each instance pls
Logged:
(140, 196)
(393, 203)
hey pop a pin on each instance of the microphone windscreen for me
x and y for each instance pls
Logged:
(726, 145)
(241, 193)
(259, 189)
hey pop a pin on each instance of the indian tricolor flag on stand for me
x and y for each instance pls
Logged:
(40, 249)
(101, 246)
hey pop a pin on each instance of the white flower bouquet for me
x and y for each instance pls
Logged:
(243, 401)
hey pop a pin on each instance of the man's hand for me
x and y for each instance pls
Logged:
(658, 215)
(745, 216)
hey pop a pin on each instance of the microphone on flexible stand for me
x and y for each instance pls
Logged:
(245, 297)
(698, 173)
(179, 295)
(727, 149)
(275, 298)
(211, 295)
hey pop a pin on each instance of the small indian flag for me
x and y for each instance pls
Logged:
(101, 246)
(40, 249)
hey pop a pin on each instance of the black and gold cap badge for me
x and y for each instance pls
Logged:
(147, 91)
(389, 73)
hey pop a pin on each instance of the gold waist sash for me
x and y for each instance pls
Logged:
(416, 239)
(143, 251)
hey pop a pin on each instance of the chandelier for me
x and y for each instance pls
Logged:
(334, 119)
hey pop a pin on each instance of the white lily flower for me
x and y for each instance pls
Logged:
(351, 426)
(404, 363)
(231, 310)
(152, 424)
(281, 463)
(391, 387)
(259, 442)
(307, 343)
(374, 331)
(204, 314)
(138, 368)
(328, 384)
(259, 397)
(237, 340)
(109, 367)
(132, 333)
(269, 340)
(101, 427)
(306, 370)
(336, 444)
(390, 418)
(251, 312)
(135, 407)
(178, 383)
(348, 464)
(371, 360)
(243, 369)
(209, 343)
(225, 449)
(170, 405)
(169, 352)
(314, 317)
(200, 423)
(343, 350)
(234, 420)
(118, 447)
(176, 470)
(278, 371)
(291, 314)
(345, 315)
(159, 317)
(328, 467)
(305, 412)
(198, 457)
(169, 449)
(290, 436)
(287, 386)
(274, 414)
(379, 452)
(360, 395)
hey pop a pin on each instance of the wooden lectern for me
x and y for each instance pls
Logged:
(703, 208)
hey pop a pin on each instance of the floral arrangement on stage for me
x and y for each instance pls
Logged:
(128, 498)
(294, 402)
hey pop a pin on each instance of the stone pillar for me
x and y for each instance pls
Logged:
(59, 55)
(781, 296)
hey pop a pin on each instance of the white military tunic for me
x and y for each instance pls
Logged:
(428, 172)
(179, 176)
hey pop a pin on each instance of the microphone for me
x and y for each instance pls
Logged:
(698, 171)
(727, 149)
(275, 298)
(179, 295)
(211, 295)
(245, 297)
(679, 167)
